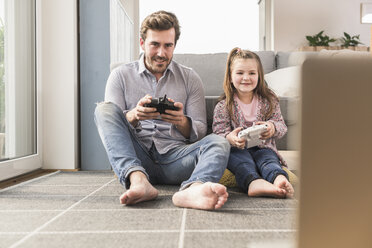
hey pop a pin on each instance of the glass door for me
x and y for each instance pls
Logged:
(18, 89)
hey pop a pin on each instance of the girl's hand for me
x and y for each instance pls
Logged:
(234, 140)
(270, 129)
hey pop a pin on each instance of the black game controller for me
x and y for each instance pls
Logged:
(161, 104)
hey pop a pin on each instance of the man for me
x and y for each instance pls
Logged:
(145, 147)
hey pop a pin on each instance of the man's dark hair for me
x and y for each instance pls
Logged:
(160, 21)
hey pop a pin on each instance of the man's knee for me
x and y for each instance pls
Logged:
(220, 142)
(105, 109)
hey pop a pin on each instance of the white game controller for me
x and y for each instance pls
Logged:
(252, 135)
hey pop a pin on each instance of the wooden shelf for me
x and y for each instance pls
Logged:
(318, 48)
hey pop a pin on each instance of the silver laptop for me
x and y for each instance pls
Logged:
(335, 197)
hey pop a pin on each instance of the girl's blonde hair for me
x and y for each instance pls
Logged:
(261, 90)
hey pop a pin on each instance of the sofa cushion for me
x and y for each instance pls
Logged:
(285, 82)
(211, 68)
(286, 59)
(268, 60)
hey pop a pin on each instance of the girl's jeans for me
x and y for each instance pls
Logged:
(254, 163)
(202, 161)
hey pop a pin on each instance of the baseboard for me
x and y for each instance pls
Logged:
(25, 177)
(65, 170)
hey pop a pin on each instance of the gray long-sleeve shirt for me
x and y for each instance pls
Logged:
(128, 83)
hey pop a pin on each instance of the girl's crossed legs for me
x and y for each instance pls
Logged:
(259, 173)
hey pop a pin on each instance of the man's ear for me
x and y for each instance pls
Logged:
(142, 44)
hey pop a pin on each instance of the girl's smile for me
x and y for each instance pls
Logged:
(244, 76)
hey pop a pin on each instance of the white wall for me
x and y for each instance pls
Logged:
(59, 78)
(294, 19)
(59, 63)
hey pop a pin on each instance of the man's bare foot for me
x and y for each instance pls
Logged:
(261, 187)
(282, 182)
(205, 196)
(140, 190)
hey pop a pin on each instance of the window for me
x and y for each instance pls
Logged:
(121, 34)
(211, 26)
(17, 82)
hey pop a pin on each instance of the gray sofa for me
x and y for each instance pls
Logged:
(211, 68)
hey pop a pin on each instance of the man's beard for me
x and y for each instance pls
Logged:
(154, 68)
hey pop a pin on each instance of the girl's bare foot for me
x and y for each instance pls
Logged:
(282, 182)
(205, 196)
(140, 190)
(261, 187)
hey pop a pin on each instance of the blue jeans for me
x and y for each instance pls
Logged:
(254, 163)
(202, 161)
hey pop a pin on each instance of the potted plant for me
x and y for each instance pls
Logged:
(352, 42)
(318, 42)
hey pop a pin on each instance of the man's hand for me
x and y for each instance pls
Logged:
(270, 129)
(177, 118)
(140, 112)
(235, 140)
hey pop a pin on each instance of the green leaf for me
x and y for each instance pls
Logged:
(320, 33)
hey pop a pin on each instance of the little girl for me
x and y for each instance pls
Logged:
(247, 101)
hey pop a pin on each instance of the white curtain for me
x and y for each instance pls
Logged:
(121, 34)
(19, 77)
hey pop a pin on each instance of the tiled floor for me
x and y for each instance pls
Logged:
(81, 209)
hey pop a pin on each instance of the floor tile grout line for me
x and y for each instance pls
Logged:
(65, 185)
(30, 210)
(160, 231)
(42, 195)
(89, 210)
(260, 209)
(57, 216)
(241, 230)
(65, 175)
(29, 181)
(182, 229)
(136, 209)
(93, 232)
(55, 195)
